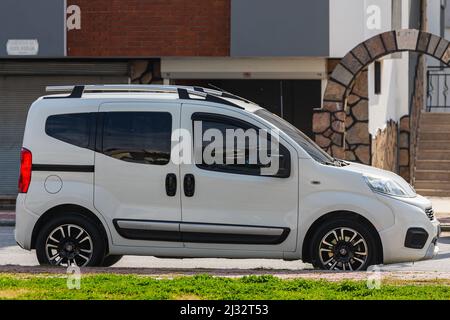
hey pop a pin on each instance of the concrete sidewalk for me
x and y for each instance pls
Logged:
(441, 208)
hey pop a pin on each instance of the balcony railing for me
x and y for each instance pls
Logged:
(438, 83)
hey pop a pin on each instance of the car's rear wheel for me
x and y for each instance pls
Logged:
(344, 245)
(68, 240)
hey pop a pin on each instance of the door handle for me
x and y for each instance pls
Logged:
(171, 184)
(189, 185)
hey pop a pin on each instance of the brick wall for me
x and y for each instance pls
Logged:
(151, 28)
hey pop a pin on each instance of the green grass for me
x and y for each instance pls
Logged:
(108, 286)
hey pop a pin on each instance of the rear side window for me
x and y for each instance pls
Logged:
(73, 128)
(140, 137)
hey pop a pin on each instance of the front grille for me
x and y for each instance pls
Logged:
(430, 213)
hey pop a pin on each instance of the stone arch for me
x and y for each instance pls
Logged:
(329, 121)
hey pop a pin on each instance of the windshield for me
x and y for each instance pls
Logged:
(306, 143)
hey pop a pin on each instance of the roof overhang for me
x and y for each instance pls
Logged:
(242, 68)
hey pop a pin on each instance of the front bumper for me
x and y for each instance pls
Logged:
(409, 215)
(433, 250)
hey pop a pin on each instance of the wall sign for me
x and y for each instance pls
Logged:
(22, 47)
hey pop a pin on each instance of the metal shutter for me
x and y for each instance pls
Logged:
(17, 92)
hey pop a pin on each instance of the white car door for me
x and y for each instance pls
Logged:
(136, 185)
(236, 207)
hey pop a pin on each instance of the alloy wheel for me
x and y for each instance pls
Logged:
(343, 249)
(69, 245)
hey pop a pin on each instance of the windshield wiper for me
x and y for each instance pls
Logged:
(340, 163)
(336, 163)
(329, 163)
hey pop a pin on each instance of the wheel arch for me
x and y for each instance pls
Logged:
(306, 252)
(59, 210)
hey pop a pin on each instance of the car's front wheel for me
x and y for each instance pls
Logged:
(68, 240)
(345, 245)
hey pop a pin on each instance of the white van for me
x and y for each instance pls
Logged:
(98, 181)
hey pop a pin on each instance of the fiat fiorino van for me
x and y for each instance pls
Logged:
(98, 180)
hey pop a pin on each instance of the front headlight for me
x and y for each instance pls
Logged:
(386, 186)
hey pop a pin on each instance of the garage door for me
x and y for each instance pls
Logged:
(17, 92)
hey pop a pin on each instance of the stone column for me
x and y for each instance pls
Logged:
(384, 147)
(145, 71)
(329, 129)
(403, 146)
(357, 135)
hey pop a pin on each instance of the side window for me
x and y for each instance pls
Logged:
(73, 128)
(234, 157)
(140, 137)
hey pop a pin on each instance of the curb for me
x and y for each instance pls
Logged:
(444, 219)
(7, 223)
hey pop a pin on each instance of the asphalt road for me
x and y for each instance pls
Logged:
(11, 254)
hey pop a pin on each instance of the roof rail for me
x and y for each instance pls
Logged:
(228, 94)
(184, 92)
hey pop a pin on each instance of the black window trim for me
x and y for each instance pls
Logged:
(99, 123)
(208, 116)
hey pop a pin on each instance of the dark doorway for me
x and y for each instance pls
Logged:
(294, 100)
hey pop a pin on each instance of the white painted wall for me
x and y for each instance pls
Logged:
(346, 21)
(434, 16)
(447, 20)
(393, 102)
(434, 24)
(349, 26)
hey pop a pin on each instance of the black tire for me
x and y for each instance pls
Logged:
(110, 260)
(322, 252)
(71, 224)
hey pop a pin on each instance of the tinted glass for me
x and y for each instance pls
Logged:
(74, 128)
(141, 137)
(240, 162)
